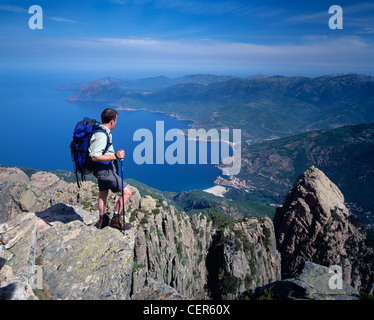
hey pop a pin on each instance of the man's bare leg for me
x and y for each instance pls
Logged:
(103, 219)
(118, 221)
(103, 195)
(126, 196)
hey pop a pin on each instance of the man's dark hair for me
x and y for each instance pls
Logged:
(108, 115)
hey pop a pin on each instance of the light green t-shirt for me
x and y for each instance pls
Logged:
(98, 143)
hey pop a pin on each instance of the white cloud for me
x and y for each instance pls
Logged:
(12, 8)
(207, 47)
(366, 30)
(350, 13)
(61, 19)
(318, 17)
(315, 54)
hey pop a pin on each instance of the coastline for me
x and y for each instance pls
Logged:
(173, 115)
(220, 183)
(194, 124)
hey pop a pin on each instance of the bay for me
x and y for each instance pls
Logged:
(37, 127)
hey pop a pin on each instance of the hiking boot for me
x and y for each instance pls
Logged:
(128, 226)
(102, 223)
(118, 224)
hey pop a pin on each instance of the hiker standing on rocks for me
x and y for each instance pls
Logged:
(106, 173)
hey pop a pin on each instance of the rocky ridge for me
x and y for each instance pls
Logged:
(48, 223)
(19, 193)
(52, 227)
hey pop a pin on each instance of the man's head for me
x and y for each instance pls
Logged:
(109, 118)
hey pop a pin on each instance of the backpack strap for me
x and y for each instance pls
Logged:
(76, 176)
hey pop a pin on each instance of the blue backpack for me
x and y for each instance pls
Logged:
(79, 147)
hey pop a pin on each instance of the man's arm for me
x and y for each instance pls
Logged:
(109, 157)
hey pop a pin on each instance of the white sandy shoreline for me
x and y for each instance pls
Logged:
(218, 191)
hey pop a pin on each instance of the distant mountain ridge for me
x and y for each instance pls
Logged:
(152, 83)
(264, 107)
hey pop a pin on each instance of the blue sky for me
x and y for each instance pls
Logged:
(133, 38)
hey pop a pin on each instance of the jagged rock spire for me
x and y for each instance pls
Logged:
(315, 225)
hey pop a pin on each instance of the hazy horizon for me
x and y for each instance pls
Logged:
(144, 38)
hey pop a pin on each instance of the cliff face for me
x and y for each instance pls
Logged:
(242, 256)
(315, 225)
(172, 248)
(200, 258)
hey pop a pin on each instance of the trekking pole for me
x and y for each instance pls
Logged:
(123, 199)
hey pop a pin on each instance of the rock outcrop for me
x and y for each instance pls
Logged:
(315, 282)
(12, 174)
(44, 223)
(154, 290)
(19, 193)
(77, 260)
(14, 288)
(315, 225)
(82, 262)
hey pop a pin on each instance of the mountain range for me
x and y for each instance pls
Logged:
(147, 84)
(264, 107)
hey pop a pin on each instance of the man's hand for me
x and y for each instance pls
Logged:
(120, 154)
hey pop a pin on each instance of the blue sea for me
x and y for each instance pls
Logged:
(38, 123)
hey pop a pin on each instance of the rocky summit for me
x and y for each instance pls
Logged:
(315, 225)
(51, 249)
(75, 260)
(168, 253)
(78, 260)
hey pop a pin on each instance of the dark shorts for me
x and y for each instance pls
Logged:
(109, 180)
